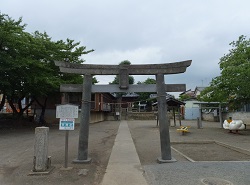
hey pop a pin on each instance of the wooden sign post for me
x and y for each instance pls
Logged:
(67, 114)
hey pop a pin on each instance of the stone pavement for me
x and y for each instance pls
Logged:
(125, 167)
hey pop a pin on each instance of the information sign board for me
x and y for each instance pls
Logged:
(67, 111)
(67, 124)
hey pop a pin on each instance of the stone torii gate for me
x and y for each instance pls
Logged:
(123, 70)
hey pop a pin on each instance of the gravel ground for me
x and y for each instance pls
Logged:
(17, 150)
(147, 141)
(146, 138)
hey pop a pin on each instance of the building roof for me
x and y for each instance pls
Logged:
(187, 92)
(198, 89)
(155, 96)
(130, 95)
(172, 102)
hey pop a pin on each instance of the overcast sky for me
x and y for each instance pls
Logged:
(142, 31)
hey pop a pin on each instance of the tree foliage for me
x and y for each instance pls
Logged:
(131, 79)
(233, 83)
(27, 62)
(144, 96)
(184, 97)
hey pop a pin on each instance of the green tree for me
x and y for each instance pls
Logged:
(131, 79)
(233, 83)
(144, 96)
(27, 63)
(184, 97)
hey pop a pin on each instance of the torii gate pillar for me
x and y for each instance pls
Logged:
(84, 121)
(163, 123)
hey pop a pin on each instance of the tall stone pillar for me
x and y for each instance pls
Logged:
(163, 121)
(84, 122)
(41, 161)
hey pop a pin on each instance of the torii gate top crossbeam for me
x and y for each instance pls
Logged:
(145, 69)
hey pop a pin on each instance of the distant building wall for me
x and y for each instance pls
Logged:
(210, 117)
(190, 103)
(94, 117)
(244, 116)
(145, 116)
(50, 116)
(191, 110)
(141, 116)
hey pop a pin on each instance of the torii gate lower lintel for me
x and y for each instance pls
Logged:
(159, 70)
(111, 88)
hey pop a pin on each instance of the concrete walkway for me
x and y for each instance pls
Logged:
(124, 166)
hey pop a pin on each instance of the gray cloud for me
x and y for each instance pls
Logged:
(143, 31)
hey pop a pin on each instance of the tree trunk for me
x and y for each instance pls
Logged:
(12, 106)
(20, 108)
(19, 112)
(2, 102)
(43, 107)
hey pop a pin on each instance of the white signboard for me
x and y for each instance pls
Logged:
(67, 111)
(67, 124)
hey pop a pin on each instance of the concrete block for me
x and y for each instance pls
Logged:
(41, 160)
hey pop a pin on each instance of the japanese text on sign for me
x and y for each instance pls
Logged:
(67, 124)
(67, 111)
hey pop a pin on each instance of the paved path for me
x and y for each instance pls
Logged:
(124, 166)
